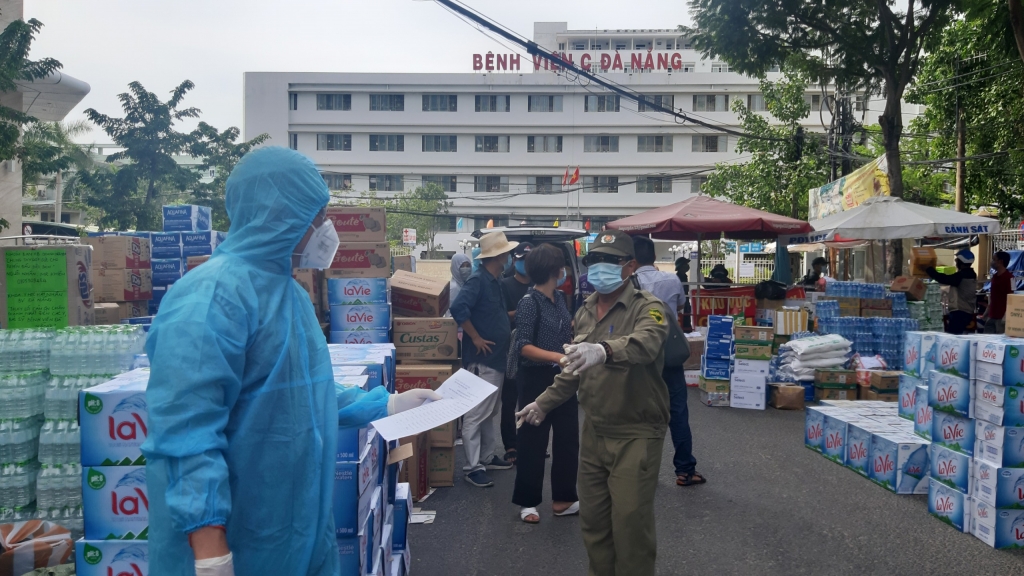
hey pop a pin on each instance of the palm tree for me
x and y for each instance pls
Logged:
(53, 159)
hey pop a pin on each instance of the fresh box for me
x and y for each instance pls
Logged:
(113, 419)
(426, 338)
(116, 502)
(1000, 361)
(186, 218)
(1010, 414)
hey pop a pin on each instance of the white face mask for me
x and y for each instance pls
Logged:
(319, 251)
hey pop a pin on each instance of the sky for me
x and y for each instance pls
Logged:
(109, 43)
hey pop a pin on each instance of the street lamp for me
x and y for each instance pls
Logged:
(465, 245)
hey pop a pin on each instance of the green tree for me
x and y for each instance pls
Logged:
(50, 149)
(144, 174)
(423, 209)
(987, 91)
(780, 172)
(220, 152)
(15, 65)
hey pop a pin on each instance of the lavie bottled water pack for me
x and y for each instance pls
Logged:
(899, 462)
(999, 445)
(25, 350)
(116, 502)
(999, 528)
(114, 420)
(96, 350)
(357, 291)
(949, 505)
(111, 558)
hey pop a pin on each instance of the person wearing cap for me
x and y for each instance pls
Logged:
(963, 292)
(615, 365)
(720, 275)
(515, 287)
(818, 266)
(482, 312)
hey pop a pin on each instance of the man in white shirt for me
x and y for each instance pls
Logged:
(666, 287)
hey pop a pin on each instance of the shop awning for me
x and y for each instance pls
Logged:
(887, 218)
(704, 218)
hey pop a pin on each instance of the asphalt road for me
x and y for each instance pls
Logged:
(771, 506)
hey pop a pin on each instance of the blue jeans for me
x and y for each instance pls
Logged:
(679, 422)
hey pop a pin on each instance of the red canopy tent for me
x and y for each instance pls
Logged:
(701, 217)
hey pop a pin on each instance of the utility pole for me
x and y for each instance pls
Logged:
(961, 144)
(58, 196)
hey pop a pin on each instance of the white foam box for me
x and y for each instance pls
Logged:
(998, 528)
(1000, 487)
(743, 366)
(747, 400)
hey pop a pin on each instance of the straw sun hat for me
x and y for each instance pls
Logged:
(495, 244)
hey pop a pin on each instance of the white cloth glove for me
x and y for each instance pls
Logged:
(410, 399)
(582, 356)
(222, 566)
(531, 414)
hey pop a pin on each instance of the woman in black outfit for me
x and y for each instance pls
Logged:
(543, 326)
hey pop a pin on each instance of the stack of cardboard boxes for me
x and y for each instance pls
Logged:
(115, 499)
(356, 285)
(45, 286)
(187, 240)
(716, 362)
(122, 277)
(748, 383)
(428, 352)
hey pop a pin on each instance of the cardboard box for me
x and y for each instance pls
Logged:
(885, 381)
(45, 286)
(899, 463)
(359, 223)
(913, 287)
(443, 436)
(834, 376)
(186, 218)
(418, 296)
(359, 337)
(766, 304)
(870, 394)
(692, 378)
(117, 501)
(876, 304)
(1015, 315)
(426, 376)
(407, 263)
(706, 385)
(753, 383)
(425, 338)
(835, 392)
(361, 259)
(949, 505)
(107, 313)
(310, 280)
(753, 352)
(747, 366)
(754, 334)
(696, 351)
(101, 557)
(747, 399)
(356, 291)
(120, 252)
(872, 313)
(920, 259)
(787, 396)
(122, 285)
(361, 317)
(415, 471)
(442, 467)
(790, 321)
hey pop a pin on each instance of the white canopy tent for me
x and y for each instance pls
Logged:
(888, 218)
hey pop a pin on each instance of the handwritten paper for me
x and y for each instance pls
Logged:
(37, 288)
(461, 393)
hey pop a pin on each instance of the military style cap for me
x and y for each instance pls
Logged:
(613, 242)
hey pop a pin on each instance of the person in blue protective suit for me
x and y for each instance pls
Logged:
(243, 412)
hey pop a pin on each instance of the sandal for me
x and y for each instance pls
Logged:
(510, 455)
(572, 510)
(529, 515)
(690, 479)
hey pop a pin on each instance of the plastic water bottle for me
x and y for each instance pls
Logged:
(47, 443)
(74, 438)
(72, 485)
(50, 488)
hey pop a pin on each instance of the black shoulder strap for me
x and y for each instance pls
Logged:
(536, 325)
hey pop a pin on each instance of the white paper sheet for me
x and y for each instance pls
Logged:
(462, 391)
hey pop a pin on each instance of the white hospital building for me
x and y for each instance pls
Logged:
(499, 137)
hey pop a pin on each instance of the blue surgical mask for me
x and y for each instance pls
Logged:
(521, 267)
(465, 272)
(562, 278)
(474, 259)
(606, 278)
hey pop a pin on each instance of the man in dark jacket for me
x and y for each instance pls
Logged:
(963, 292)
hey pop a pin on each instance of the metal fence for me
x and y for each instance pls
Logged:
(1008, 240)
(762, 269)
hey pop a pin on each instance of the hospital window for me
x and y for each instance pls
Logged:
(440, 143)
(755, 103)
(293, 101)
(653, 143)
(696, 183)
(492, 103)
(710, 102)
(544, 144)
(333, 101)
(447, 183)
(663, 100)
(540, 184)
(709, 144)
(601, 184)
(386, 183)
(654, 185)
(440, 103)
(490, 183)
(341, 142)
(607, 103)
(293, 141)
(337, 181)
(492, 143)
(387, 143)
(387, 102)
(601, 144)
(544, 104)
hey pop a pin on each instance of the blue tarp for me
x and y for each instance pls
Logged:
(1016, 267)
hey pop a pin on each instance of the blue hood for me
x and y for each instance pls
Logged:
(272, 196)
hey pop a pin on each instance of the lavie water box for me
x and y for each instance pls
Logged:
(954, 432)
(1000, 361)
(949, 505)
(951, 468)
(113, 418)
(1010, 414)
(999, 528)
(999, 445)
(111, 558)
(952, 355)
(899, 463)
(908, 395)
(357, 291)
(1000, 487)
(361, 317)
(115, 502)
(949, 393)
(913, 353)
(922, 414)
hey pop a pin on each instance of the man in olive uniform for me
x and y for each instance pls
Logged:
(615, 365)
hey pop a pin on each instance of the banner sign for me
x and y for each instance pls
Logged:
(850, 191)
(737, 302)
